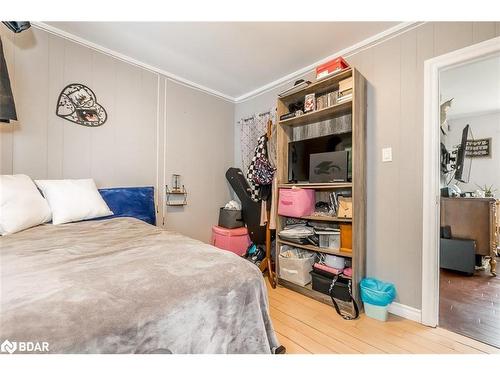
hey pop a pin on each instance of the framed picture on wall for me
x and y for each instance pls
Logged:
(478, 148)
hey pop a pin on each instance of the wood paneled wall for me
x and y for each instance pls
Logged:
(145, 119)
(394, 70)
(122, 152)
(200, 148)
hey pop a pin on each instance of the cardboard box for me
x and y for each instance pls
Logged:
(330, 67)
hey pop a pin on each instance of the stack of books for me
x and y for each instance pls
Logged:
(345, 96)
(345, 90)
(326, 100)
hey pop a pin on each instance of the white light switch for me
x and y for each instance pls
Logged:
(387, 154)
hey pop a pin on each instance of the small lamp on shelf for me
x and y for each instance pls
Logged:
(176, 185)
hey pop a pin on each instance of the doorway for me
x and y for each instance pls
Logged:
(459, 292)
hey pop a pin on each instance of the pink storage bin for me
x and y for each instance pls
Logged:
(296, 202)
(235, 240)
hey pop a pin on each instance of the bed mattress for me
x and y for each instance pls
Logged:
(124, 286)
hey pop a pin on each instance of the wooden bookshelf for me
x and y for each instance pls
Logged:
(318, 86)
(327, 218)
(308, 291)
(305, 290)
(285, 130)
(319, 115)
(326, 186)
(341, 252)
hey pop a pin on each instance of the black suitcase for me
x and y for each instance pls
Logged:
(250, 209)
(230, 219)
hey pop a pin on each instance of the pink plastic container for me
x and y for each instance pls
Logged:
(235, 240)
(296, 202)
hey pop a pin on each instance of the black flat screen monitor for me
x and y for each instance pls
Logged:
(460, 173)
(299, 153)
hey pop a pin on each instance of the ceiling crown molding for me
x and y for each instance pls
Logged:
(346, 52)
(120, 56)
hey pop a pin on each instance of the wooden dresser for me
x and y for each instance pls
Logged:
(474, 219)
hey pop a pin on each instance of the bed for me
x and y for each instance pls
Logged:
(121, 285)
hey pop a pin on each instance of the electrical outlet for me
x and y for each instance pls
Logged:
(387, 154)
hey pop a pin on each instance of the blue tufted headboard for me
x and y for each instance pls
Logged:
(138, 202)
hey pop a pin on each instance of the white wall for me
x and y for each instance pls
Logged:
(44, 145)
(484, 171)
(394, 71)
(200, 148)
(130, 149)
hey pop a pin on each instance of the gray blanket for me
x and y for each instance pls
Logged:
(123, 286)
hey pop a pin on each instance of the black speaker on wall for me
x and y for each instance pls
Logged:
(17, 26)
(7, 107)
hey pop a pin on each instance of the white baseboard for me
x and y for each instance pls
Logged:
(406, 312)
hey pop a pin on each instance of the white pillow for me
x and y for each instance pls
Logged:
(73, 200)
(21, 204)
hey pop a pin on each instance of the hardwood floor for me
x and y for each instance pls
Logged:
(304, 326)
(470, 305)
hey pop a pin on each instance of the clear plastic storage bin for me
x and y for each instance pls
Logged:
(329, 239)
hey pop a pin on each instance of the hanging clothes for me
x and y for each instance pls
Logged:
(256, 149)
(260, 151)
(250, 130)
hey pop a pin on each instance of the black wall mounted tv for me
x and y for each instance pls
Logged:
(460, 164)
(299, 153)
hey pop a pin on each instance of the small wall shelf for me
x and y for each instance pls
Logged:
(174, 195)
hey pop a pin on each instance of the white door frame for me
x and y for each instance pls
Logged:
(431, 169)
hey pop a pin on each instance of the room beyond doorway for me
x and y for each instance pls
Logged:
(469, 305)
(460, 293)
(470, 178)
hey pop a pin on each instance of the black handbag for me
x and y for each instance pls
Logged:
(341, 289)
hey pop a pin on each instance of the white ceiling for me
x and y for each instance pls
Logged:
(229, 58)
(475, 87)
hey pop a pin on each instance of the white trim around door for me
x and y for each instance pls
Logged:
(431, 172)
